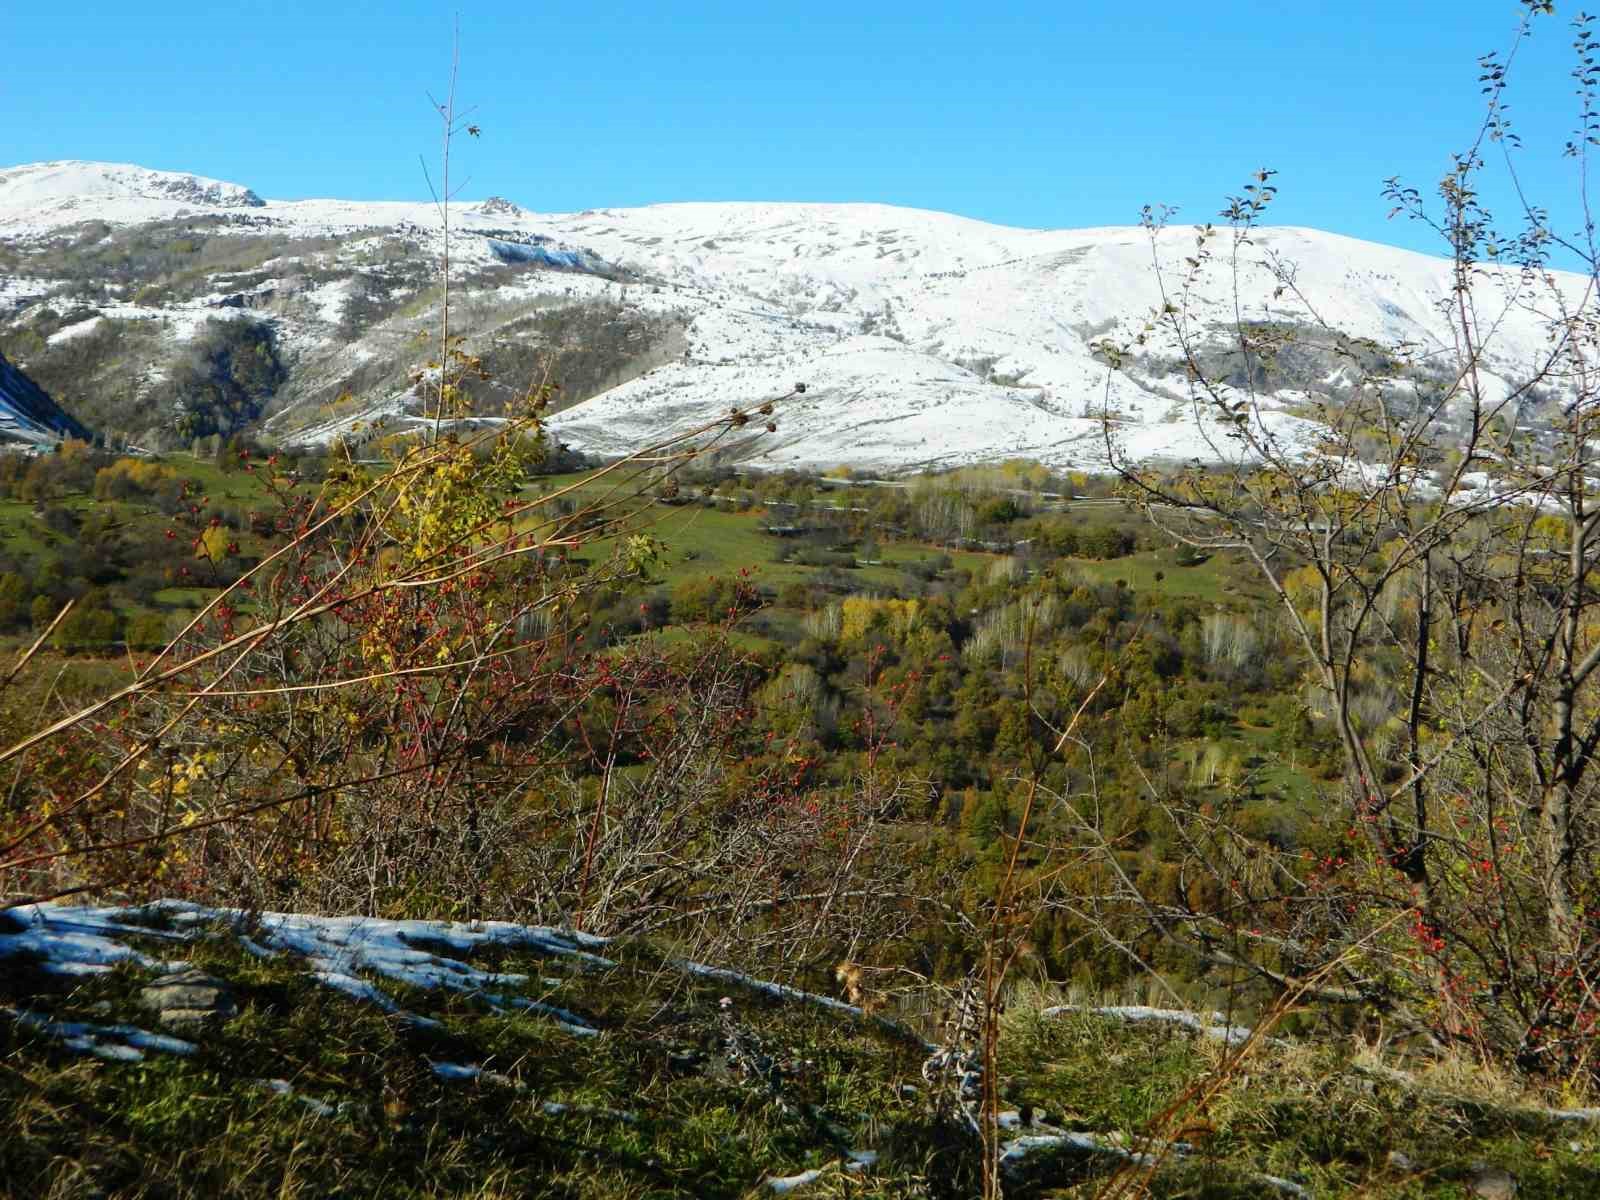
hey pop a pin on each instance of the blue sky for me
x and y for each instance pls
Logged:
(1039, 114)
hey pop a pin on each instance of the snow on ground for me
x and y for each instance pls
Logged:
(80, 940)
(321, 1108)
(40, 196)
(75, 330)
(781, 990)
(782, 1185)
(1015, 1153)
(77, 941)
(354, 955)
(119, 1043)
(328, 301)
(181, 322)
(855, 1161)
(395, 412)
(358, 955)
(38, 185)
(471, 1073)
(1213, 1025)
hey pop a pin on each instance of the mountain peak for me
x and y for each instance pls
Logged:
(498, 206)
(70, 182)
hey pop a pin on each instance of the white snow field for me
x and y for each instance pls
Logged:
(925, 339)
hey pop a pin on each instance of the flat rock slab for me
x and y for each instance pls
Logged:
(1493, 1183)
(189, 997)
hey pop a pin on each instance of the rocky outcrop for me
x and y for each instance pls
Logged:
(499, 206)
(209, 192)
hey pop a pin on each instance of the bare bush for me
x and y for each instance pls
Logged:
(1434, 556)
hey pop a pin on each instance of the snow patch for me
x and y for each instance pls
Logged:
(75, 330)
(68, 939)
(1210, 1025)
(117, 1043)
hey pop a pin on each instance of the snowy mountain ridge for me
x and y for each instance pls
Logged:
(59, 187)
(926, 339)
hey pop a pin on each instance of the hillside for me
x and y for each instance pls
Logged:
(29, 417)
(927, 340)
(176, 1050)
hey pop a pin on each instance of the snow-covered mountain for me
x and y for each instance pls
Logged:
(925, 339)
(50, 190)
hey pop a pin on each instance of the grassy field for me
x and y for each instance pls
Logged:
(702, 541)
(1217, 579)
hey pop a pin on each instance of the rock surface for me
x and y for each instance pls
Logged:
(189, 997)
(1494, 1183)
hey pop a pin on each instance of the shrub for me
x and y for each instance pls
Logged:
(90, 626)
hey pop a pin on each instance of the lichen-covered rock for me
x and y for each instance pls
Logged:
(189, 997)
